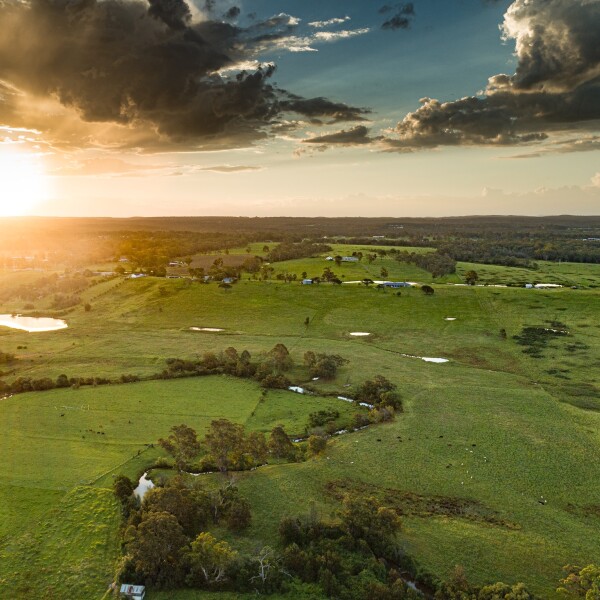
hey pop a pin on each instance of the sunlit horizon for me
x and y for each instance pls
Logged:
(23, 183)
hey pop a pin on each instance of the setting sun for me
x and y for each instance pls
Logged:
(23, 184)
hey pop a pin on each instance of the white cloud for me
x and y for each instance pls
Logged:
(328, 22)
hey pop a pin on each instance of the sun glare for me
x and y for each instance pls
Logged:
(23, 184)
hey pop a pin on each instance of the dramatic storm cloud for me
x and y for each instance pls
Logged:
(149, 70)
(555, 87)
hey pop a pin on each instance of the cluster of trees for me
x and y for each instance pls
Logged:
(269, 371)
(291, 250)
(457, 587)
(350, 559)
(437, 263)
(323, 365)
(165, 538)
(581, 582)
(27, 384)
(379, 392)
(228, 447)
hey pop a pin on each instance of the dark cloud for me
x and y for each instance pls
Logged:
(321, 108)
(556, 85)
(356, 136)
(174, 13)
(233, 12)
(146, 68)
(402, 17)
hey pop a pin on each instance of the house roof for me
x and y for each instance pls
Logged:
(128, 588)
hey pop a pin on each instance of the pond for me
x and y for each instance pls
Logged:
(144, 485)
(32, 324)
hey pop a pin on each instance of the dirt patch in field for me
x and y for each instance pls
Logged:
(229, 260)
(416, 505)
(471, 357)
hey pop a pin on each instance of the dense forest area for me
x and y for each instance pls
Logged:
(511, 241)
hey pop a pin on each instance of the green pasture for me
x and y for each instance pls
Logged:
(535, 420)
(564, 273)
(62, 448)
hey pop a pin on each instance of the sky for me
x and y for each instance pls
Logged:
(299, 108)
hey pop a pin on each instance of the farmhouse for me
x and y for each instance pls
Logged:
(349, 259)
(307, 282)
(133, 592)
(396, 284)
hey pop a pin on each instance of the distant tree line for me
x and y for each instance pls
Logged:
(291, 251)
(437, 263)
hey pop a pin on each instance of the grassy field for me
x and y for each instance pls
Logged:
(494, 426)
(62, 449)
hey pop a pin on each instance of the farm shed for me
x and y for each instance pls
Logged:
(134, 592)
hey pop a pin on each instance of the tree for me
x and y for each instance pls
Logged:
(238, 516)
(266, 563)
(384, 273)
(256, 447)
(323, 365)
(365, 519)
(316, 445)
(456, 587)
(581, 582)
(471, 277)
(182, 445)
(328, 275)
(156, 548)
(378, 391)
(281, 357)
(280, 444)
(209, 560)
(123, 488)
(338, 260)
(181, 502)
(225, 439)
(502, 591)
(427, 290)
